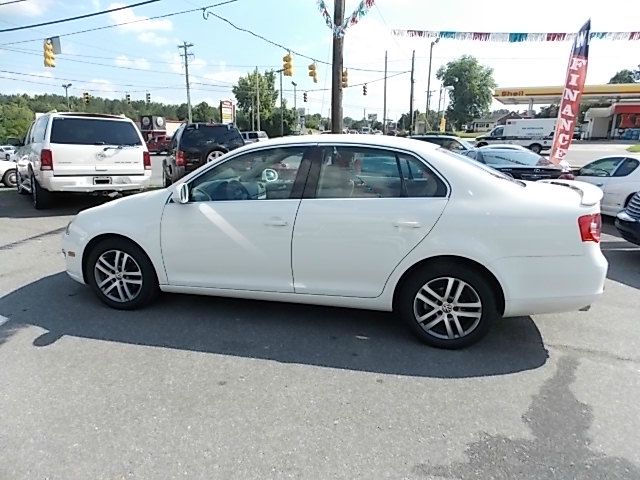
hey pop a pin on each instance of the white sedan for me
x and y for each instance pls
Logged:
(8, 172)
(370, 222)
(619, 178)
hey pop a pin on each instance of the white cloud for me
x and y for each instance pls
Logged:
(124, 61)
(146, 29)
(102, 88)
(32, 8)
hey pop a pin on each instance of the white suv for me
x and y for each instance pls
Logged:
(83, 153)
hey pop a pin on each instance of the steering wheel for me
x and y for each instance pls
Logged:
(200, 195)
(236, 191)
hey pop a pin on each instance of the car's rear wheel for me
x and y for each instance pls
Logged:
(9, 178)
(213, 155)
(121, 274)
(535, 148)
(448, 305)
(166, 180)
(40, 197)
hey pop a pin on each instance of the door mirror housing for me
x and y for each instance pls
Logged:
(181, 194)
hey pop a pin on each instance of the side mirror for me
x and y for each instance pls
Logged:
(181, 195)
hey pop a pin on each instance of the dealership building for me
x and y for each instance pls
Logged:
(615, 113)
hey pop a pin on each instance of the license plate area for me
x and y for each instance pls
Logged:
(102, 180)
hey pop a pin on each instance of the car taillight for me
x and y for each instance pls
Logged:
(46, 159)
(590, 227)
(180, 160)
(146, 160)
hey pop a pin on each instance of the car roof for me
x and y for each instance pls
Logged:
(105, 116)
(338, 138)
(434, 135)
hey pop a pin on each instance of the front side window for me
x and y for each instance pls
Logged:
(498, 132)
(509, 158)
(360, 172)
(262, 175)
(601, 168)
(94, 131)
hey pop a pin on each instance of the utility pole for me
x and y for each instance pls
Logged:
(411, 119)
(336, 71)
(384, 101)
(185, 46)
(66, 94)
(257, 100)
(253, 113)
(281, 108)
(295, 105)
(429, 77)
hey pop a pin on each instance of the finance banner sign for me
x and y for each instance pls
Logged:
(569, 111)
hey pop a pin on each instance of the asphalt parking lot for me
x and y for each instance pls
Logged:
(217, 388)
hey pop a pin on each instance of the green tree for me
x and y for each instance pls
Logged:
(14, 120)
(473, 86)
(203, 113)
(245, 92)
(625, 76)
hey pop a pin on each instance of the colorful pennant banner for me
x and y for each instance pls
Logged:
(339, 30)
(515, 37)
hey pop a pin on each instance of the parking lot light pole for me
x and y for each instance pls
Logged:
(429, 75)
(295, 105)
(66, 94)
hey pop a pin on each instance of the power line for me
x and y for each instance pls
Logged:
(125, 23)
(11, 1)
(63, 20)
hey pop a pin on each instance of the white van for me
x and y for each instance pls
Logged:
(535, 134)
(252, 137)
(83, 153)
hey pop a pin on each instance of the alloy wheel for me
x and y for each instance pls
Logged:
(447, 308)
(118, 276)
(214, 155)
(11, 179)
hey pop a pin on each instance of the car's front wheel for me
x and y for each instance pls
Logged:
(448, 305)
(121, 274)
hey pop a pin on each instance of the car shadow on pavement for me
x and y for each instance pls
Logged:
(328, 337)
(559, 447)
(13, 205)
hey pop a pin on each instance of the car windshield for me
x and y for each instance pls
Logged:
(94, 131)
(203, 135)
(486, 169)
(509, 158)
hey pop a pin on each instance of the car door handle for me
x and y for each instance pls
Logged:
(407, 224)
(276, 222)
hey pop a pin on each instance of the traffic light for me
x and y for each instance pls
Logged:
(85, 98)
(313, 73)
(49, 55)
(345, 79)
(287, 65)
(148, 97)
(304, 97)
(364, 89)
(128, 98)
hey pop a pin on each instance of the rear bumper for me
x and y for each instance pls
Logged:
(628, 227)
(535, 285)
(86, 184)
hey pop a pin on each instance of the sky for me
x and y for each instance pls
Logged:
(143, 57)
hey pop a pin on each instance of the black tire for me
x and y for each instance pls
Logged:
(407, 305)
(149, 289)
(626, 202)
(166, 179)
(40, 197)
(19, 188)
(535, 148)
(9, 178)
(217, 151)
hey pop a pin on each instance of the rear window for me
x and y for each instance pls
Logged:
(481, 167)
(509, 158)
(93, 131)
(204, 135)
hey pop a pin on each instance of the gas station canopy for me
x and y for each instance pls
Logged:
(548, 95)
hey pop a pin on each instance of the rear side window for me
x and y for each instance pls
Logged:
(39, 129)
(93, 131)
(207, 135)
(627, 167)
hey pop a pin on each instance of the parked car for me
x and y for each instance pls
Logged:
(250, 137)
(628, 220)
(7, 152)
(333, 233)
(195, 144)
(520, 164)
(619, 178)
(8, 173)
(81, 153)
(450, 142)
(158, 144)
(505, 146)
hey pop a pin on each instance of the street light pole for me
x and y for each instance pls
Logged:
(295, 105)
(281, 108)
(66, 94)
(429, 76)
